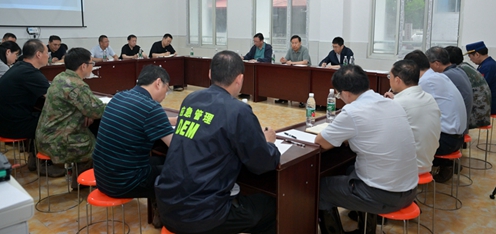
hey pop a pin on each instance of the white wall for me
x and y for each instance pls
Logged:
(327, 19)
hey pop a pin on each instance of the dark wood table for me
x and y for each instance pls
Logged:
(295, 184)
(282, 81)
(173, 65)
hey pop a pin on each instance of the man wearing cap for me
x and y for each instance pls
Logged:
(477, 52)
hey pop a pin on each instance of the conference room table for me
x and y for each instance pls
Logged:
(261, 80)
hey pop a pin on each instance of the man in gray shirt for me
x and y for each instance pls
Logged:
(298, 54)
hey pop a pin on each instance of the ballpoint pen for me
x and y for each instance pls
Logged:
(295, 143)
(287, 134)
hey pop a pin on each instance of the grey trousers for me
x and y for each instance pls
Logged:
(352, 193)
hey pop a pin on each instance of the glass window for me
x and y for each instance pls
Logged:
(401, 26)
(299, 19)
(263, 19)
(208, 21)
(279, 23)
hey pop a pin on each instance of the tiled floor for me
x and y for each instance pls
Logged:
(475, 216)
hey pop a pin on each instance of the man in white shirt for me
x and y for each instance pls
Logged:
(103, 48)
(453, 112)
(421, 110)
(385, 174)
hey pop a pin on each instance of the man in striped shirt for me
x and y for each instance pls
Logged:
(131, 123)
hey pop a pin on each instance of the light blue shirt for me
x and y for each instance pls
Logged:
(449, 100)
(97, 52)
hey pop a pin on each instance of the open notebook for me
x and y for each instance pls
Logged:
(317, 128)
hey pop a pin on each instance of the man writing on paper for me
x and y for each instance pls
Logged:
(163, 48)
(69, 109)
(131, 50)
(336, 57)
(260, 51)
(56, 50)
(216, 135)
(385, 175)
(103, 49)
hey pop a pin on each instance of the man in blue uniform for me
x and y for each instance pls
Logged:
(477, 52)
(216, 135)
(338, 53)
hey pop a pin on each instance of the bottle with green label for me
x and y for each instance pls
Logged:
(331, 106)
(310, 110)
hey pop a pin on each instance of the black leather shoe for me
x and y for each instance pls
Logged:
(281, 101)
(301, 105)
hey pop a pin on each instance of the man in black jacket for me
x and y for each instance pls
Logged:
(260, 51)
(336, 56)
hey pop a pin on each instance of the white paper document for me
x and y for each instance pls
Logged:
(281, 146)
(298, 135)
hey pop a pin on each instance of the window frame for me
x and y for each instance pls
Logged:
(200, 26)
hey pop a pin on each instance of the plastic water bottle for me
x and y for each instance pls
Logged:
(331, 106)
(104, 55)
(191, 52)
(310, 110)
(345, 61)
(352, 60)
(140, 54)
(49, 58)
(273, 58)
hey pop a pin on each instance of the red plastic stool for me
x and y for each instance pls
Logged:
(165, 231)
(410, 212)
(425, 179)
(42, 156)
(86, 178)
(97, 198)
(453, 156)
(487, 165)
(16, 145)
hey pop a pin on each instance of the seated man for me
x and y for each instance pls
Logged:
(453, 113)
(421, 110)
(20, 88)
(478, 54)
(481, 108)
(260, 51)
(162, 48)
(336, 57)
(297, 55)
(385, 175)
(131, 50)
(216, 135)
(57, 52)
(130, 125)
(69, 109)
(9, 37)
(103, 51)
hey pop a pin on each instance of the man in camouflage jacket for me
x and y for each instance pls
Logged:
(70, 107)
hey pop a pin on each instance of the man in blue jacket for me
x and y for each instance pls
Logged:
(216, 135)
(260, 51)
(478, 53)
(338, 53)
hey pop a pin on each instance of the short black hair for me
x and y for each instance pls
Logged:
(351, 78)
(260, 36)
(8, 45)
(9, 35)
(225, 67)
(296, 36)
(407, 71)
(419, 58)
(131, 37)
(455, 54)
(437, 53)
(150, 73)
(168, 35)
(31, 47)
(338, 40)
(101, 37)
(54, 38)
(75, 57)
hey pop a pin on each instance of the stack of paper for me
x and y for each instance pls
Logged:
(105, 100)
(317, 128)
(298, 135)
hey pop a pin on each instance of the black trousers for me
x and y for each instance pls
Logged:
(447, 145)
(255, 214)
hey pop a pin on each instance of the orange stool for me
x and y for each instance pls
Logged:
(42, 156)
(453, 156)
(97, 198)
(487, 165)
(86, 178)
(165, 231)
(410, 212)
(425, 179)
(16, 145)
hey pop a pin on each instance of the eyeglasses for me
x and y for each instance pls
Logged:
(92, 63)
(338, 95)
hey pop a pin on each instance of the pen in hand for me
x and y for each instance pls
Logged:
(287, 134)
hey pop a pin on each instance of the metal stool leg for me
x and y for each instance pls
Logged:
(139, 214)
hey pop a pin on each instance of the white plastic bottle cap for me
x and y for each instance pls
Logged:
(310, 94)
(331, 90)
